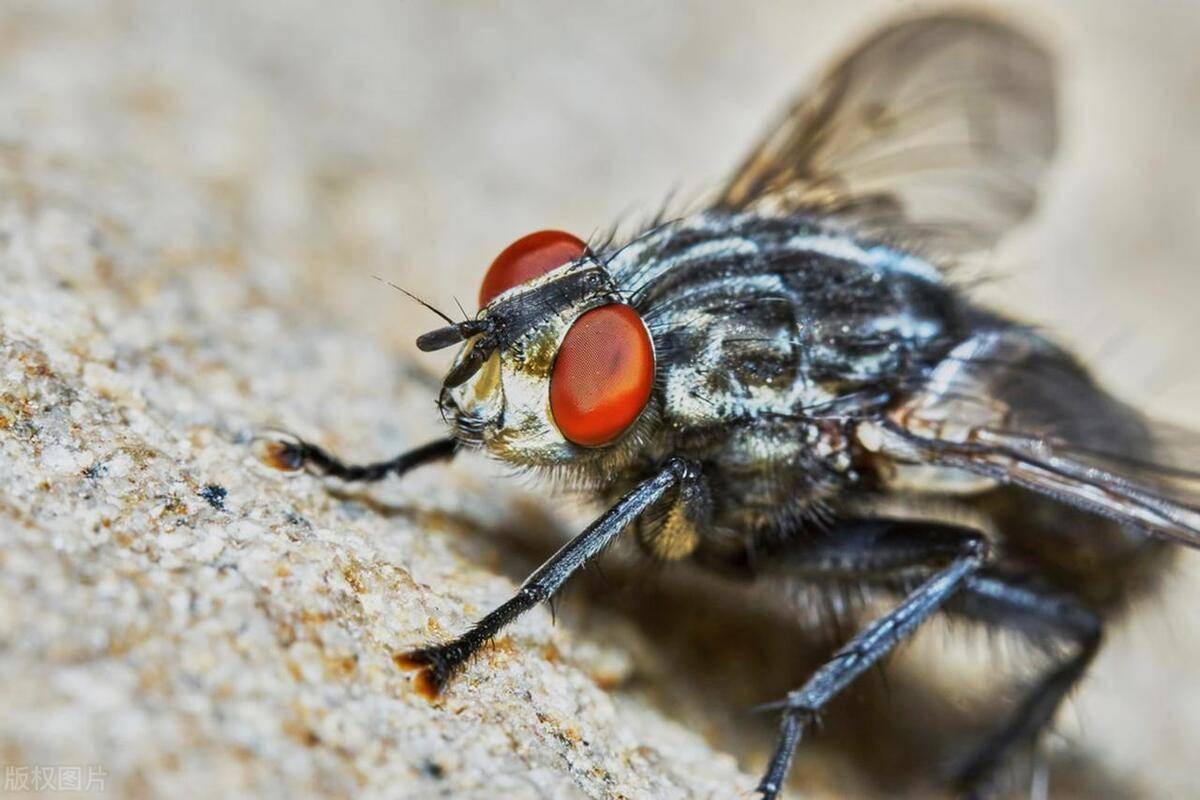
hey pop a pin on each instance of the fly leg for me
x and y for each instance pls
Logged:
(290, 454)
(438, 663)
(867, 549)
(1044, 616)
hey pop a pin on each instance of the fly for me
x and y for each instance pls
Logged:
(775, 386)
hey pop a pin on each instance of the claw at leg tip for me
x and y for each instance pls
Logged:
(407, 661)
(427, 684)
(767, 791)
(279, 450)
(427, 681)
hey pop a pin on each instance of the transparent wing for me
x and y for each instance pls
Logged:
(934, 130)
(1008, 406)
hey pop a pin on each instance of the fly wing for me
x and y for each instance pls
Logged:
(1008, 406)
(934, 132)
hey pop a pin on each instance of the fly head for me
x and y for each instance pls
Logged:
(555, 368)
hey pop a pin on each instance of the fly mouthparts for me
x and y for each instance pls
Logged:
(449, 335)
(469, 365)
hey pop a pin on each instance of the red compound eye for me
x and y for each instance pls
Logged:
(602, 375)
(527, 258)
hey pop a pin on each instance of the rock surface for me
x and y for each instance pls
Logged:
(193, 198)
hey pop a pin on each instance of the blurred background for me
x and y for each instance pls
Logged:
(414, 140)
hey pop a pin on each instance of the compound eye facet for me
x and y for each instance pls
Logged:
(527, 258)
(602, 375)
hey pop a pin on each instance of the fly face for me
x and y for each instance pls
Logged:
(556, 367)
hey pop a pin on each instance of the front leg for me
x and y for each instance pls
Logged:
(288, 453)
(439, 663)
(867, 549)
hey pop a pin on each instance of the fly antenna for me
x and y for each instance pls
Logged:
(414, 297)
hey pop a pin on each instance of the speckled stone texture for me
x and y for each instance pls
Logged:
(194, 198)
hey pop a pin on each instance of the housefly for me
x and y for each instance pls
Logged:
(779, 384)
